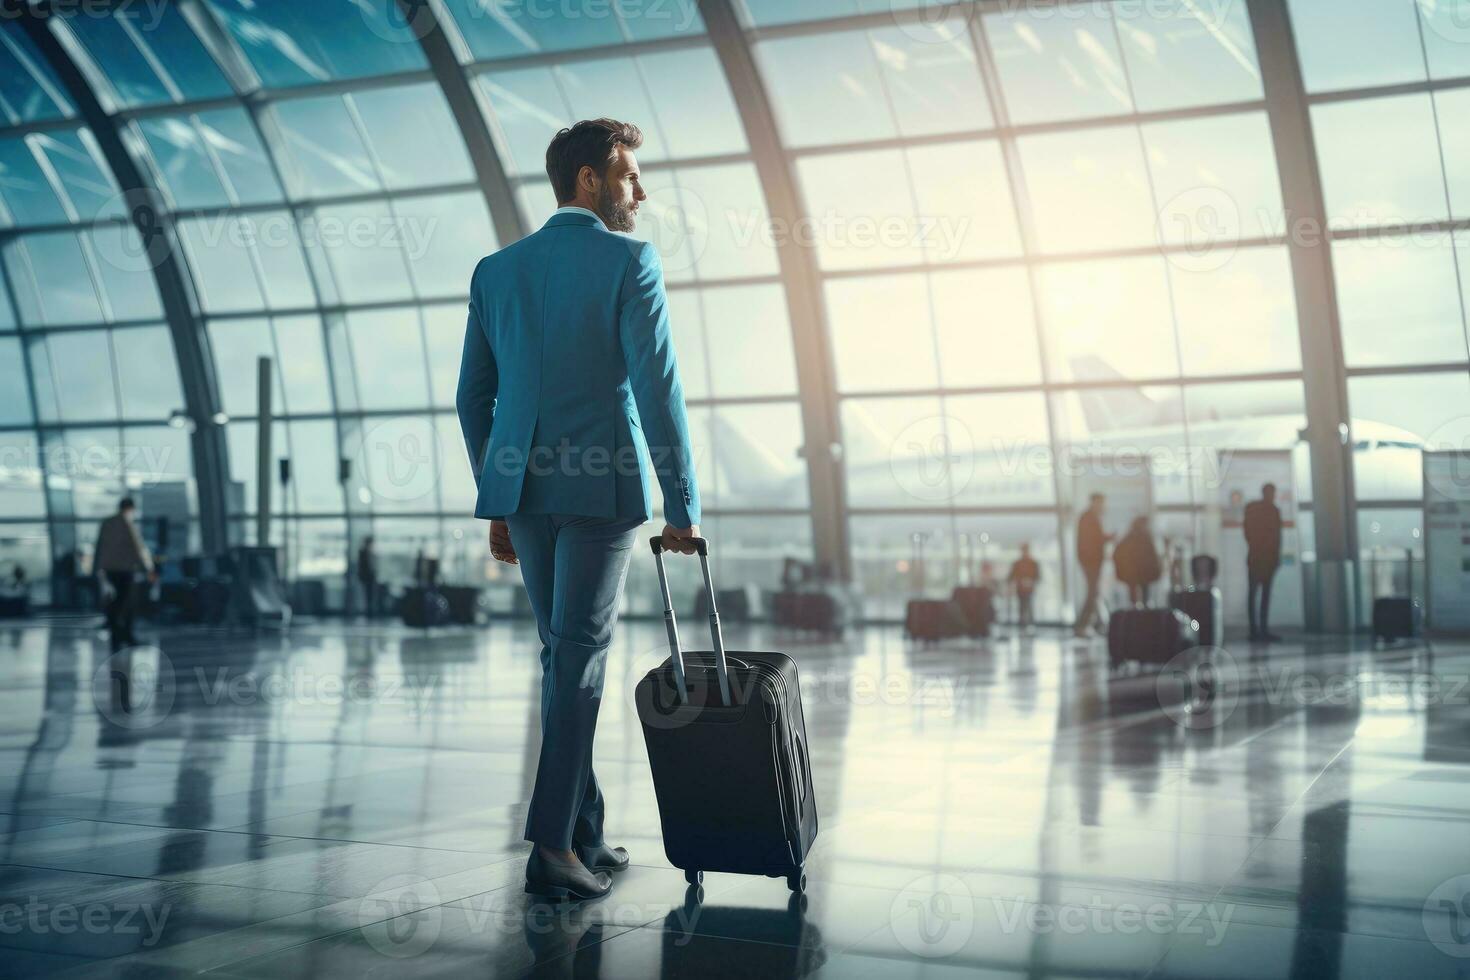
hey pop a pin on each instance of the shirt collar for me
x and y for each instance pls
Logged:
(573, 209)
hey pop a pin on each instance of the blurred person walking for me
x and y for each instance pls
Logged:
(1092, 544)
(120, 557)
(1262, 528)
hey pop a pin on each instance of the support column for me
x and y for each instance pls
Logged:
(431, 25)
(175, 292)
(801, 279)
(1332, 599)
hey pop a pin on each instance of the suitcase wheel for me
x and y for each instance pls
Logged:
(796, 881)
(694, 877)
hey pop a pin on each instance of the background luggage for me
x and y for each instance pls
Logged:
(976, 602)
(466, 604)
(817, 608)
(727, 746)
(256, 594)
(423, 608)
(1397, 617)
(737, 605)
(930, 620)
(1149, 637)
(1203, 570)
(309, 597)
(1206, 607)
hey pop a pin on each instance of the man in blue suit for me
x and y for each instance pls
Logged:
(568, 381)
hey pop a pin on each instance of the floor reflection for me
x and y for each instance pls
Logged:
(347, 800)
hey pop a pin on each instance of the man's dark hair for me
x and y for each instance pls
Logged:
(126, 504)
(589, 143)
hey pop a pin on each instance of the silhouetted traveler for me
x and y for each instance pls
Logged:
(568, 370)
(1136, 561)
(1092, 544)
(1262, 527)
(1024, 575)
(120, 556)
(367, 576)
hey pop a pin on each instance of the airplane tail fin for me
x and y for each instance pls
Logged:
(1110, 409)
(748, 469)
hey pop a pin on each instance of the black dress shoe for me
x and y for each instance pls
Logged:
(602, 857)
(560, 883)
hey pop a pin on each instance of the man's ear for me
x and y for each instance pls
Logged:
(587, 180)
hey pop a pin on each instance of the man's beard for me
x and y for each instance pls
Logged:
(617, 217)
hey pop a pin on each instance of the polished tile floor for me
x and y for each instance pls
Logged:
(346, 801)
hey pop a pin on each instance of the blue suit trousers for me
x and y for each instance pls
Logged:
(574, 569)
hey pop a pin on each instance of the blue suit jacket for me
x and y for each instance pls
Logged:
(569, 377)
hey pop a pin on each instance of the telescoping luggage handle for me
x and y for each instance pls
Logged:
(676, 656)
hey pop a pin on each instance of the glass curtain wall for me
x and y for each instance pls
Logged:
(1386, 82)
(92, 399)
(1048, 234)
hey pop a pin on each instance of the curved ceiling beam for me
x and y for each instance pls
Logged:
(426, 21)
(150, 219)
(801, 279)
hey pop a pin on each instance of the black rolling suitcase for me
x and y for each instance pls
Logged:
(1149, 637)
(1204, 606)
(424, 607)
(1396, 617)
(727, 745)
